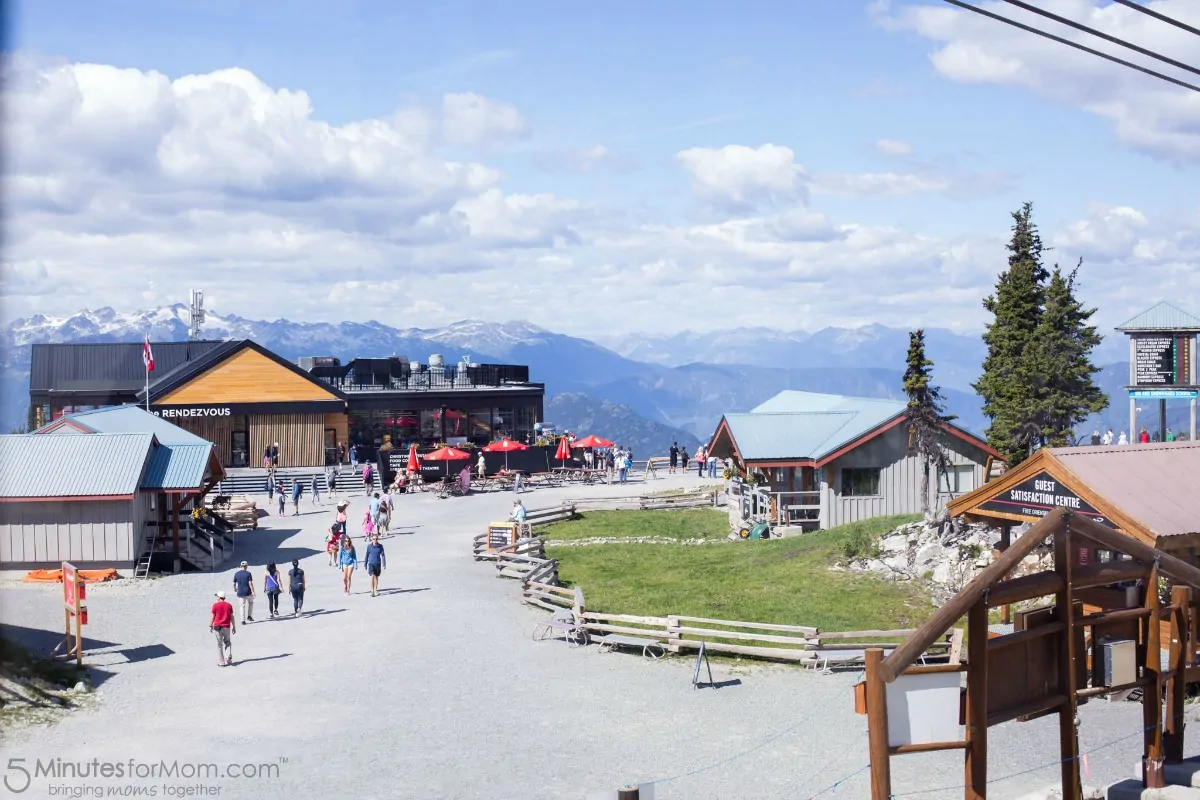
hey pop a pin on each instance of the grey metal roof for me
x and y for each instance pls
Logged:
(105, 366)
(127, 419)
(763, 437)
(177, 466)
(1163, 316)
(1154, 484)
(96, 465)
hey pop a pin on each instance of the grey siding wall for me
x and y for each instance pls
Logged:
(900, 478)
(86, 531)
(142, 514)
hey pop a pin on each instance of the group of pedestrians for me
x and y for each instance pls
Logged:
(704, 461)
(1143, 437)
(223, 624)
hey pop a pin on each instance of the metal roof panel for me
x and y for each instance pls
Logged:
(134, 419)
(1163, 316)
(95, 465)
(177, 466)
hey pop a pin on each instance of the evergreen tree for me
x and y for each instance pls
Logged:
(1011, 381)
(925, 415)
(1065, 343)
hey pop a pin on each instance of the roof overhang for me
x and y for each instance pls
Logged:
(75, 499)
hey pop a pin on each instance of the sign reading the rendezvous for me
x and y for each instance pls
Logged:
(1038, 496)
(1161, 360)
(192, 412)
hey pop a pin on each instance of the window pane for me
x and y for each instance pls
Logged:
(860, 482)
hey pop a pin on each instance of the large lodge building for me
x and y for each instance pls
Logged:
(243, 398)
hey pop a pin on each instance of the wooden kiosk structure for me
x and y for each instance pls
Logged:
(1044, 668)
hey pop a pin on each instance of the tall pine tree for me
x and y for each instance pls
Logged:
(1065, 341)
(925, 415)
(1012, 378)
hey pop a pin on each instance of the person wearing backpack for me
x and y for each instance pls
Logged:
(368, 478)
(271, 585)
(296, 587)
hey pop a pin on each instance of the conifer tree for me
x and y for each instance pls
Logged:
(925, 415)
(1065, 341)
(1011, 381)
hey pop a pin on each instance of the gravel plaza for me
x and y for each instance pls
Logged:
(435, 689)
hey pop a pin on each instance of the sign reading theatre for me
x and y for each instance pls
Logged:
(1038, 496)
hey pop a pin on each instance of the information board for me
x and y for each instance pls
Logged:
(501, 534)
(70, 588)
(1038, 496)
(1162, 360)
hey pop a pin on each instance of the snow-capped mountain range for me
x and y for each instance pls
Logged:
(681, 383)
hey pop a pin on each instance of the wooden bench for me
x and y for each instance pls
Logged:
(612, 641)
(570, 631)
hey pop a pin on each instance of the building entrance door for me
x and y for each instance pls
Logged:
(240, 447)
(330, 446)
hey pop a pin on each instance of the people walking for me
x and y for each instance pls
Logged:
(347, 560)
(1144, 437)
(296, 587)
(243, 586)
(272, 585)
(674, 453)
(1108, 437)
(1170, 437)
(341, 453)
(332, 543)
(1096, 437)
(354, 457)
(701, 460)
(384, 523)
(1122, 440)
(282, 498)
(368, 524)
(375, 560)
(223, 627)
(481, 468)
(373, 506)
(270, 484)
(316, 490)
(297, 491)
(683, 458)
(712, 465)
(368, 478)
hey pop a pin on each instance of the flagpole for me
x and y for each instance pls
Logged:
(147, 388)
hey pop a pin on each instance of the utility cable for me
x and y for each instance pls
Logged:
(1160, 17)
(1076, 45)
(1102, 35)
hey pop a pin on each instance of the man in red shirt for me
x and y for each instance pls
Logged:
(223, 626)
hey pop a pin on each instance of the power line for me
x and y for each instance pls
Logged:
(1076, 45)
(1160, 17)
(1100, 34)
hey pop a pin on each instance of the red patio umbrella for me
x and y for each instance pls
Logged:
(564, 450)
(505, 446)
(592, 441)
(447, 454)
(414, 463)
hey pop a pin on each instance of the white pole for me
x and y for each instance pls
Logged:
(147, 389)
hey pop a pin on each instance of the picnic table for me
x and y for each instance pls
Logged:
(580, 474)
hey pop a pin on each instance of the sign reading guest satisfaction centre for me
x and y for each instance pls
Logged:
(1038, 496)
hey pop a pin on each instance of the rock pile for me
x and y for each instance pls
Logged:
(943, 553)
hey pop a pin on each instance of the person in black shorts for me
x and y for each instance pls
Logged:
(375, 561)
(674, 451)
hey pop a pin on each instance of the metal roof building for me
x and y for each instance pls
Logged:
(830, 459)
(73, 467)
(1162, 317)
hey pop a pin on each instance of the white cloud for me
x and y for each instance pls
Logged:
(1147, 114)
(596, 158)
(894, 147)
(741, 175)
(471, 119)
(879, 184)
(126, 188)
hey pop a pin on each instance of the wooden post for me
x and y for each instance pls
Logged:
(1068, 736)
(1176, 687)
(877, 727)
(78, 628)
(1005, 541)
(1152, 750)
(975, 783)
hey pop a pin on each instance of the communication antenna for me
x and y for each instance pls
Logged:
(197, 314)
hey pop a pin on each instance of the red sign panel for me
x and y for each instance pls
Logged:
(70, 584)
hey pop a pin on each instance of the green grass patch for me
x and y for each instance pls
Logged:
(17, 662)
(684, 523)
(786, 581)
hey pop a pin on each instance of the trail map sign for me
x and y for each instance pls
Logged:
(1161, 360)
(1038, 496)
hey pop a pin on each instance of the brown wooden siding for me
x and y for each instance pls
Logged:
(247, 377)
(219, 431)
(87, 531)
(341, 424)
(301, 438)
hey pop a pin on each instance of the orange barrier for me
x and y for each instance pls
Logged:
(85, 575)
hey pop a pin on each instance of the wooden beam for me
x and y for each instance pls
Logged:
(1064, 607)
(1169, 565)
(1176, 686)
(1116, 615)
(1027, 587)
(929, 747)
(1026, 709)
(1096, 575)
(906, 654)
(175, 523)
(1152, 751)
(977, 703)
(877, 727)
(1017, 637)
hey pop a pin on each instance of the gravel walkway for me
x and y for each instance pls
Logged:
(435, 690)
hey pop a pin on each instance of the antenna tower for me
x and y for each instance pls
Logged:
(197, 314)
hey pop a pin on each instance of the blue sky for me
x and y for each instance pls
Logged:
(649, 80)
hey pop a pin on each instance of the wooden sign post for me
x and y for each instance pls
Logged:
(73, 612)
(501, 534)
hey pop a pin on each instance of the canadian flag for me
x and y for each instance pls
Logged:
(147, 355)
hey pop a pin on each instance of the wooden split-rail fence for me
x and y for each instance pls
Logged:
(526, 560)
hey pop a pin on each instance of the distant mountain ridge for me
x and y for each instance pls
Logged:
(684, 384)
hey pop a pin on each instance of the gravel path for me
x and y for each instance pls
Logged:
(435, 690)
